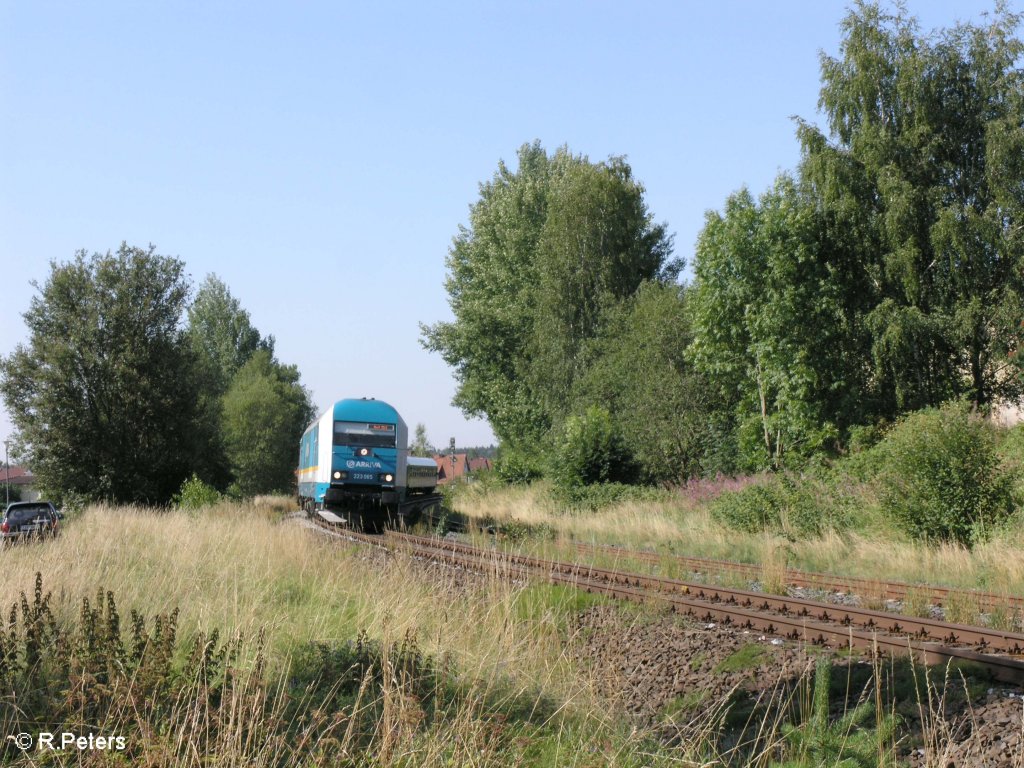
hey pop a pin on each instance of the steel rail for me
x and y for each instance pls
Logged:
(890, 590)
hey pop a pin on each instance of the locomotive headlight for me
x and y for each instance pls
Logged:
(388, 478)
(337, 475)
(364, 451)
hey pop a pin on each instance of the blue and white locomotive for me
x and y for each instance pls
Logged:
(354, 461)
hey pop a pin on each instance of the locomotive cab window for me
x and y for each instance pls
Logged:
(364, 434)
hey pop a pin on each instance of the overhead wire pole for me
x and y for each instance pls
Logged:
(7, 465)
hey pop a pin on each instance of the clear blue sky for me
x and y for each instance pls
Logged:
(320, 156)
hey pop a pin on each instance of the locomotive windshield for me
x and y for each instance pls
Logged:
(362, 433)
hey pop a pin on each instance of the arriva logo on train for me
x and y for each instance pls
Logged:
(352, 464)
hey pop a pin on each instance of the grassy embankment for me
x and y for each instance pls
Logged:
(332, 655)
(677, 524)
(327, 655)
(831, 520)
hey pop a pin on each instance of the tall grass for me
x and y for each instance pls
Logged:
(679, 524)
(302, 613)
(290, 650)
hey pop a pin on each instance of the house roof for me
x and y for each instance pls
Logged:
(18, 475)
(463, 466)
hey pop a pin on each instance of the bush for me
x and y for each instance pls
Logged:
(943, 479)
(863, 437)
(598, 495)
(12, 493)
(591, 452)
(790, 505)
(517, 467)
(195, 494)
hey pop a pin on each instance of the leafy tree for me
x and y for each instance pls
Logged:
(265, 411)
(639, 372)
(598, 245)
(100, 397)
(547, 245)
(491, 280)
(889, 275)
(222, 333)
(918, 181)
(772, 325)
(421, 443)
(223, 339)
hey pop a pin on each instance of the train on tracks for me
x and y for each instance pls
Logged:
(355, 467)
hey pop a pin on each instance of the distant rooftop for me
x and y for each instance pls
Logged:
(18, 475)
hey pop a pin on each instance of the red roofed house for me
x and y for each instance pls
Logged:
(21, 479)
(463, 467)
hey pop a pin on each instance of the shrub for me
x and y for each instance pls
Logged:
(592, 451)
(1010, 446)
(786, 504)
(862, 437)
(942, 478)
(598, 495)
(11, 493)
(517, 467)
(195, 494)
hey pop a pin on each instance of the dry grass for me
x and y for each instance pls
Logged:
(240, 569)
(682, 526)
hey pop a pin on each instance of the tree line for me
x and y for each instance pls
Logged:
(128, 385)
(884, 274)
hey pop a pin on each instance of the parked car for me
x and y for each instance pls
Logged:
(29, 518)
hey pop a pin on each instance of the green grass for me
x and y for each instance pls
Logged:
(748, 658)
(343, 656)
(687, 705)
(554, 603)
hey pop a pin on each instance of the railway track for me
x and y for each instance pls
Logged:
(808, 621)
(900, 591)
(885, 590)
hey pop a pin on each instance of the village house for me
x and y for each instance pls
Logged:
(462, 467)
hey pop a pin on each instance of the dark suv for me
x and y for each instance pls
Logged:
(29, 518)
